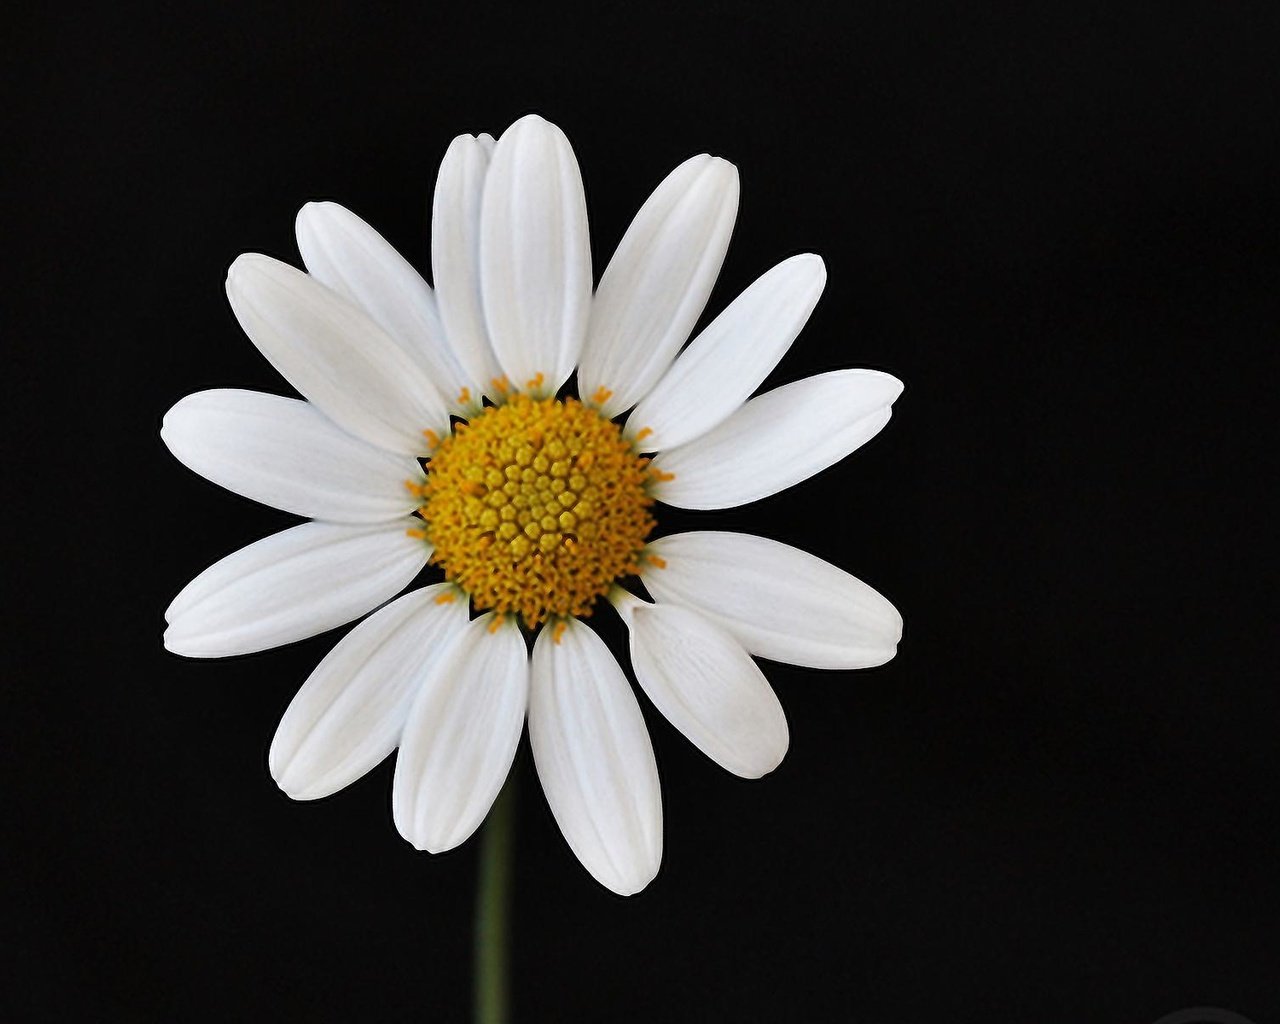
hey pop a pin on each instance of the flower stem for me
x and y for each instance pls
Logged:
(493, 911)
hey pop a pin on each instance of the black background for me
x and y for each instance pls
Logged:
(1058, 803)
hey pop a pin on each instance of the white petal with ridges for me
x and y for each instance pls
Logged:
(730, 358)
(455, 258)
(658, 282)
(594, 758)
(778, 601)
(343, 252)
(707, 686)
(461, 736)
(287, 454)
(535, 255)
(350, 712)
(291, 585)
(335, 355)
(775, 441)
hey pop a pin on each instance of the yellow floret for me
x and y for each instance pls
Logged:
(537, 507)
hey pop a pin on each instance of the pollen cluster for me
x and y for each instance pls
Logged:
(536, 506)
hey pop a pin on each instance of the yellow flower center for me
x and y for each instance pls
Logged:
(536, 506)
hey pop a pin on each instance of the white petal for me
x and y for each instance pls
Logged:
(287, 454)
(726, 362)
(707, 686)
(461, 736)
(778, 601)
(594, 758)
(777, 440)
(455, 258)
(535, 256)
(291, 585)
(349, 713)
(343, 252)
(658, 282)
(335, 355)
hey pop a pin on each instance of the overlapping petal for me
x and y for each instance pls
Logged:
(535, 255)
(335, 355)
(779, 602)
(707, 686)
(291, 585)
(461, 736)
(343, 252)
(655, 287)
(287, 454)
(455, 259)
(594, 758)
(350, 712)
(775, 441)
(725, 363)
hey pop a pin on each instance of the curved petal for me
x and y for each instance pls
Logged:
(335, 355)
(455, 258)
(731, 357)
(343, 252)
(461, 736)
(535, 255)
(778, 602)
(706, 685)
(594, 758)
(658, 282)
(777, 440)
(287, 454)
(291, 585)
(349, 713)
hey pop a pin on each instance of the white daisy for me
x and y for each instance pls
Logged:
(431, 431)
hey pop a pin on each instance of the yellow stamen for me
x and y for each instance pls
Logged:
(558, 633)
(501, 385)
(433, 439)
(659, 475)
(537, 508)
(416, 534)
(536, 382)
(445, 598)
(656, 561)
(464, 396)
(602, 395)
(646, 432)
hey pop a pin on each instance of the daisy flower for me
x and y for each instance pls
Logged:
(436, 429)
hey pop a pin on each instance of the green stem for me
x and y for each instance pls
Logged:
(493, 917)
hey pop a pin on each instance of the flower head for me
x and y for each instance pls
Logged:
(436, 428)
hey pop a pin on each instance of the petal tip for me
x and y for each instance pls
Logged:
(437, 845)
(813, 262)
(726, 169)
(759, 769)
(463, 141)
(885, 656)
(532, 121)
(310, 209)
(248, 265)
(176, 643)
(295, 789)
(630, 886)
(309, 219)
